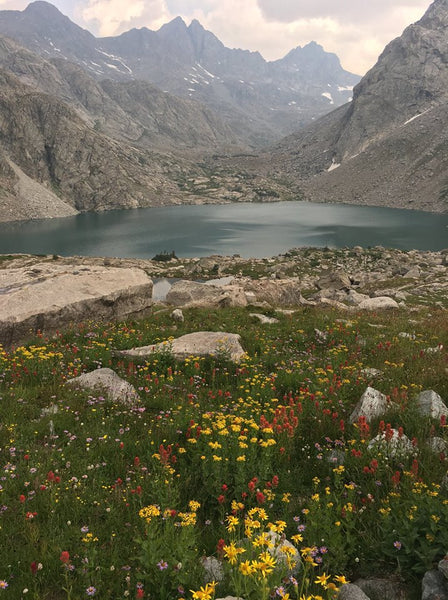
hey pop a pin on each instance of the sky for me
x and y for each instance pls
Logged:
(356, 30)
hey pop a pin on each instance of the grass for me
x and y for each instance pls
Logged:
(221, 460)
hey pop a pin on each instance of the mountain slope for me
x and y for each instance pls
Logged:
(390, 145)
(50, 143)
(136, 111)
(260, 100)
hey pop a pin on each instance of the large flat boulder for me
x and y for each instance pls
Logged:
(200, 343)
(49, 296)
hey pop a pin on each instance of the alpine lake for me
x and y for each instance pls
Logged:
(250, 230)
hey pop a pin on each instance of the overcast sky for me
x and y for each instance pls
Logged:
(356, 30)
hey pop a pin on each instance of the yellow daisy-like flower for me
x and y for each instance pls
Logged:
(231, 552)
(297, 538)
(246, 568)
(341, 579)
(265, 564)
(205, 593)
(232, 522)
(322, 579)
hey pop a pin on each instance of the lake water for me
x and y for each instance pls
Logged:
(251, 230)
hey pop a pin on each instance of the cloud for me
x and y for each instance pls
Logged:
(112, 17)
(356, 30)
(352, 11)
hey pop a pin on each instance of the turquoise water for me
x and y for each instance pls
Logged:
(256, 230)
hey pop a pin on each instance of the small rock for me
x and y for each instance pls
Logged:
(380, 303)
(372, 404)
(437, 444)
(429, 403)
(107, 382)
(395, 446)
(177, 315)
(335, 280)
(264, 320)
(443, 567)
(434, 586)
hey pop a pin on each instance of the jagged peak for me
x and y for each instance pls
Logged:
(175, 25)
(436, 15)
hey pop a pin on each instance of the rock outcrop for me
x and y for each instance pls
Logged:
(388, 146)
(200, 343)
(49, 296)
(107, 382)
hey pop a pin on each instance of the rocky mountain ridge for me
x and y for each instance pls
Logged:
(389, 146)
(260, 100)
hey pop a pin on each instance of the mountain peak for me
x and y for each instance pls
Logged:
(177, 24)
(436, 15)
(43, 8)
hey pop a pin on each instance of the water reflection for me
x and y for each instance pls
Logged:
(247, 229)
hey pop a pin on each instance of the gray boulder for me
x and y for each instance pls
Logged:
(397, 445)
(382, 589)
(443, 567)
(51, 296)
(380, 303)
(437, 444)
(107, 382)
(274, 292)
(335, 280)
(372, 404)
(434, 586)
(350, 591)
(190, 293)
(200, 343)
(177, 315)
(430, 404)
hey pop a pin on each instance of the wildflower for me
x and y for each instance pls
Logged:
(397, 545)
(232, 523)
(322, 579)
(266, 564)
(162, 564)
(3, 584)
(91, 591)
(231, 552)
(84, 529)
(65, 557)
(246, 568)
(205, 593)
(341, 579)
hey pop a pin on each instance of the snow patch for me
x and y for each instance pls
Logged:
(416, 117)
(205, 71)
(117, 59)
(333, 166)
(328, 96)
(345, 88)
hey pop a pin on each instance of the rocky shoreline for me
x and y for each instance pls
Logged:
(45, 293)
